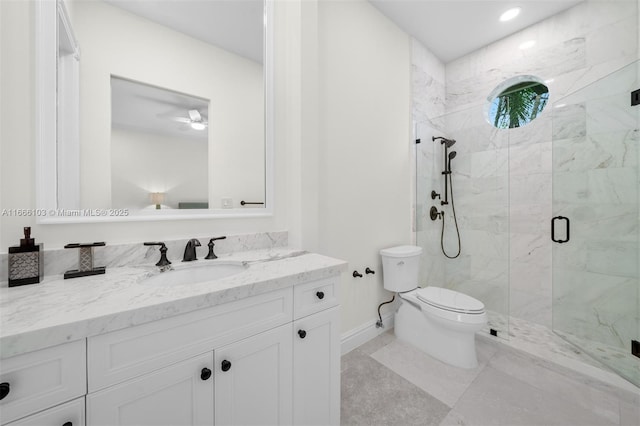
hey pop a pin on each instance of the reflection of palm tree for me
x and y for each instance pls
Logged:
(520, 104)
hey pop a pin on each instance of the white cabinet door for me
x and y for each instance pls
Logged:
(316, 369)
(181, 394)
(253, 380)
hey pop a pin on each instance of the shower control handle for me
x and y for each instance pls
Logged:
(553, 229)
(434, 195)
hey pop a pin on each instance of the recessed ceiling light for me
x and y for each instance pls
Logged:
(510, 14)
(527, 44)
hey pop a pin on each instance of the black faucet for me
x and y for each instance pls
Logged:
(211, 254)
(190, 250)
(163, 254)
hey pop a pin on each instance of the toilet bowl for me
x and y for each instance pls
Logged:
(438, 321)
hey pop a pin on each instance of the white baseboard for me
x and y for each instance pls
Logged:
(362, 334)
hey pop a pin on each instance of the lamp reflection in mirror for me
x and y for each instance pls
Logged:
(157, 198)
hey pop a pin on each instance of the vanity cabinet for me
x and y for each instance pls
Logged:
(272, 358)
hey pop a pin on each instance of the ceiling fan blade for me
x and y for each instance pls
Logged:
(180, 119)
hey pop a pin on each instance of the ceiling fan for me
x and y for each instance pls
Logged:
(195, 120)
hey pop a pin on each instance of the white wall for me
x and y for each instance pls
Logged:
(365, 147)
(144, 162)
(17, 168)
(115, 42)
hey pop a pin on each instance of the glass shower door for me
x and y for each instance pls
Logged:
(595, 221)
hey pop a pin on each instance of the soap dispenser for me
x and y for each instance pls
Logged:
(26, 261)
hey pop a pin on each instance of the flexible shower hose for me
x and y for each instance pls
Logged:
(455, 220)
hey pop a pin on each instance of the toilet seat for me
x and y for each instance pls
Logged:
(449, 300)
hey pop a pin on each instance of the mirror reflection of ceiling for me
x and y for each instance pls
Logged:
(234, 25)
(155, 110)
(451, 29)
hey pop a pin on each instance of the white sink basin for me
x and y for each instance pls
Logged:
(197, 273)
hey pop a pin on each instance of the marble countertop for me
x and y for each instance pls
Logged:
(57, 311)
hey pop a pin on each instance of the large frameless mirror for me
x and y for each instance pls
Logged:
(153, 109)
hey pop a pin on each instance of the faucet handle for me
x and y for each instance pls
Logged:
(211, 254)
(163, 253)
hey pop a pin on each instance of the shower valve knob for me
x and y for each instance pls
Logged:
(434, 195)
(357, 274)
(369, 271)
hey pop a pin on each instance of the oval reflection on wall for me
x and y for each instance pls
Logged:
(517, 102)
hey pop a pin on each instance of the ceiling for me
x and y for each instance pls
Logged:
(151, 109)
(453, 28)
(234, 25)
(448, 28)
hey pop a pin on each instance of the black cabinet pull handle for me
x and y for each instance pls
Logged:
(205, 374)
(302, 334)
(320, 295)
(5, 388)
(553, 229)
(226, 365)
(68, 424)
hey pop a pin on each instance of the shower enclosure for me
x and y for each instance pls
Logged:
(479, 192)
(596, 290)
(577, 164)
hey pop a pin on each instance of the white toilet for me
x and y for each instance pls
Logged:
(438, 321)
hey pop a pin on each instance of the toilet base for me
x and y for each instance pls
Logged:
(450, 345)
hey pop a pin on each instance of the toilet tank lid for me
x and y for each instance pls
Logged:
(401, 251)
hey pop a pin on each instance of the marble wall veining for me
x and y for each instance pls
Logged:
(503, 178)
(58, 261)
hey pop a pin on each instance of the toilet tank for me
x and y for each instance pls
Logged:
(400, 267)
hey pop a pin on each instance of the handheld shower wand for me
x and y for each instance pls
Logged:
(448, 187)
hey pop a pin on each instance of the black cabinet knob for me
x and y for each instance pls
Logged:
(320, 295)
(205, 374)
(68, 424)
(226, 365)
(4, 389)
(302, 334)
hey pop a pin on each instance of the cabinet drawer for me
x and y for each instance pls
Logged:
(123, 354)
(69, 414)
(41, 379)
(315, 296)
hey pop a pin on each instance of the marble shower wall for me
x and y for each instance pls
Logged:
(428, 97)
(573, 49)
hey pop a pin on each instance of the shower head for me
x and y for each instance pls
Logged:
(452, 155)
(448, 142)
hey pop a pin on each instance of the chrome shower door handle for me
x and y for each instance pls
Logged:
(553, 229)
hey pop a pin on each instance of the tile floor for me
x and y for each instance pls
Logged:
(388, 382)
